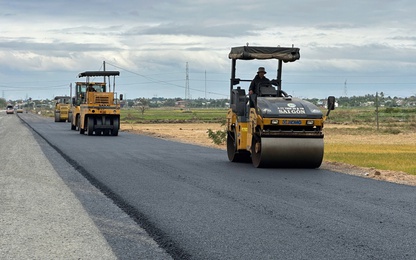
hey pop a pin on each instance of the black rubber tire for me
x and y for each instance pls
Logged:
(81, 130)
(90, 126)
(107, 122)
(233, 154)
(57, 117)
(116, 126)
(256, 152)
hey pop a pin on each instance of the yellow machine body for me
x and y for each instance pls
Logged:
(62, 108)
(95, 109)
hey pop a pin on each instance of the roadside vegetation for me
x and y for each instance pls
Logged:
(392, 157)
(173, 115)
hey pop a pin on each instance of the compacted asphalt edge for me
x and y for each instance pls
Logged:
(115, 221)
(155, 233)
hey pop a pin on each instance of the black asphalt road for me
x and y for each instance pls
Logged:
(198, 205)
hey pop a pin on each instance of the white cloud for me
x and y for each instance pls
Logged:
(352, 38)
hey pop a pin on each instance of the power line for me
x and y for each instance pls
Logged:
(354, 83)
(153, 80)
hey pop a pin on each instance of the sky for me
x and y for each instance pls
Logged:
(348, 48)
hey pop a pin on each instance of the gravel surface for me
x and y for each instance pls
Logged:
(49, 211)
(40, 217)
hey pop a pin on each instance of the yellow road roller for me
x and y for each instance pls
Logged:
(62, 107)
(269, 127)
(95, 107)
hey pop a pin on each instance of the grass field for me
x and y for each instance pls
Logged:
(171, 115)
(384, 157)
(381, 150)
(351, 135)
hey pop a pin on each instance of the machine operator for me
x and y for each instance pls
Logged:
(258, 79)
(91, 88)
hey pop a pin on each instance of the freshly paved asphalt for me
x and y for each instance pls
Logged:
(198, 205)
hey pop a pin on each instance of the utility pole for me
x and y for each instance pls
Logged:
(377, 111)
(109, 86)
(205, 85)
(345, 88)
(187, 91)
(70, 92)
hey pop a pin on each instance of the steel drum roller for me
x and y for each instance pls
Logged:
(288, 152)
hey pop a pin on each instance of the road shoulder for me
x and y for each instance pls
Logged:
(50, 211)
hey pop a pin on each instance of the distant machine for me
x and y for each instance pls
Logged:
(95, 108)
(62, 108)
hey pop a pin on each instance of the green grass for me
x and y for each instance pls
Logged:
(169, 115)
(384, 157)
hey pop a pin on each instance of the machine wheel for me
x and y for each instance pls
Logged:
(81, 130)
(90, 126)
(256, 151)
(98, 128)
(233, 154)
(57, 117)
(107, 122)
(73, 127)
(116, 125)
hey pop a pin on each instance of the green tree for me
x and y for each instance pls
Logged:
(143, 105)
(3, 102)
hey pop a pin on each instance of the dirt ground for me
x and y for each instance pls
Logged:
(197, 134)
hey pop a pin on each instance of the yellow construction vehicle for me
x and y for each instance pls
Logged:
(95, 107)
(62, 107)
(269, 127)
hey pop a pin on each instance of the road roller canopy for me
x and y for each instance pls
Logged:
(286, 54)
(104, 74)
(61, 97)
(98, 73)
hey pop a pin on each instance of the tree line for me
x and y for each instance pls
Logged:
(371, 100)
(355, 101)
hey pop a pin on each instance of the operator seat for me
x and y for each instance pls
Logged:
(238, 101)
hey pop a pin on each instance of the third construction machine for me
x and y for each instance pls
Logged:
(62, 108)
(95, 107)
(272, 128)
